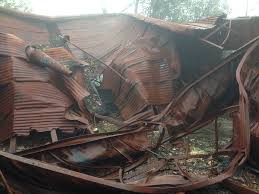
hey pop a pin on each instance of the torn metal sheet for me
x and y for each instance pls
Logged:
(95, 150)
(150, 76)
(67, 153)
(161, 76)
(254, 160)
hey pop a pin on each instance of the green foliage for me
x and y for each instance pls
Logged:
(183, 10)
(22, 5)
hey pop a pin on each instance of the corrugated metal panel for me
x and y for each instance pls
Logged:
(6, 73)
(60, 54)
(112, 33)
(29, 100)
(43, 93)
(103, 35)
(31, 31)
(38, 106)
(6, 110)
(24, 71)
(208, 22)
(11, 45)
(150, 71)
(15, 69)
(109, 33)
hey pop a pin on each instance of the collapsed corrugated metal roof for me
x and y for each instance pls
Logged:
(157, 81)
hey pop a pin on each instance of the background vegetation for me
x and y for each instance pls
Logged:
(182, 10)
(22, 5)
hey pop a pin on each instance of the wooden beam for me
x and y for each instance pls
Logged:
(12, 144)
(54, 137)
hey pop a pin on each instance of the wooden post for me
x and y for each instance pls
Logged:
(12, 144)
(54, 137)
(216, 136)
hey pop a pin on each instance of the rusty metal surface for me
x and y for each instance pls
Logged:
(238, 188)
(31, 97)
(38, 57)
(152, 68)
(65, 153)
(168, 80)
(28, 30)
(232, 33)
(17, 69)
(124, 28)
(150, 73)
(209, 22)
(24, 102)
(254, 160)
(106, 151)
(11, 45)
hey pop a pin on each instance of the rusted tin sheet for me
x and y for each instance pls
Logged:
(62, 154)
(232, 33)
(34, 106)
(112, 30)
(11, 45)
(65, 153)
(107, 151)
(62, 78)
(38, 57)
(209, 22)
(61, 55)
(19, 70)
(124, 28)
(31, 96)
(91, 34)
(45, 178)
(29, 30)
(196, 102)
(254, 159)
(56, 179)
(237, 187)
(152, 70)
(150, 74)
(251, 85)
(163, 77)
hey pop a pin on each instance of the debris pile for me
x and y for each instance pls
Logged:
(114, 103)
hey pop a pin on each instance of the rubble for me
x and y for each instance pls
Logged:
(164, 88)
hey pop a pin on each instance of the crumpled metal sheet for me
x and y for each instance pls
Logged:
(155, 70)
(233, 33)
(251, 85)
(99, 151)
(194, 103)
(238, 188)
(31, 97)
(150, 73)
(51, 178)
(62, 77)
(152, 57)
(254, 147)
(113, 32)
(65, 153)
